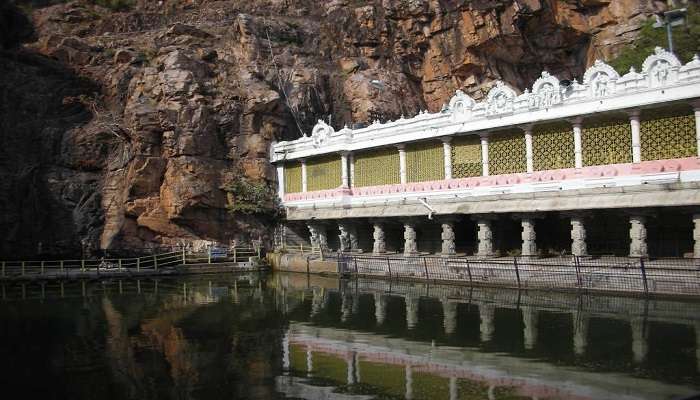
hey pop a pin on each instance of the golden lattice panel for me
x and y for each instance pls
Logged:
(607, 142)
(323, 173)
(378, 167)
(507, 153)
(668, 137)
(425, 162)
(466, 157)
(553, 147)
(292, 177)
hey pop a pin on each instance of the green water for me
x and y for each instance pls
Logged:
(292, 336)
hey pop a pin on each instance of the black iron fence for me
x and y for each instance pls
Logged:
(612, 274)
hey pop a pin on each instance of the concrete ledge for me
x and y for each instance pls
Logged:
(302, 263)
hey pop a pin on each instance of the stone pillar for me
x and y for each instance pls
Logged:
(402, 163)
(410, 246)
(529, 246)
(696, 235)
(344, 236)
(304, 178)
(448, 238)
(319, 236)
(379, 308)
(530, 327)
(379, 239)
(578, 237)
(449, 316)
(484, 155)
(280, 181)
(351, 161)
(528, 149)
(636, 136)
(485, 236)
(638, 236)
(411, 311)
(640, 346)
(409, 382)
(578, 147)
(486, 325)
(354, 240)
(580, 333)
(447, 154)
(345, 176)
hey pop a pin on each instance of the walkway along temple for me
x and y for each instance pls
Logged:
(607, 166)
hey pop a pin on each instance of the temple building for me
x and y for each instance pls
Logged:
(610, 165)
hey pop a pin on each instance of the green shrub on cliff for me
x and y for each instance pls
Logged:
(252, 198)
(686, 42)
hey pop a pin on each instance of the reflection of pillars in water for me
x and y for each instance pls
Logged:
(285, 352)
(184, 293)
(309, 362)
(580, 332)
(317, 301)
(409, 382)
(351, 361)
(235, 292)
(449, 316)
(138, 286)
(346, 306)
(411, 311)
(358, 377)
(454, 393)
(530, 329)
(486, 326)
(355, 303)
(640, 346)
(492, 392)
(379, 308)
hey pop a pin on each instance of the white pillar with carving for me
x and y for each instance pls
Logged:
(484, 155)
(529, 236)
(578, 146)
(344, 173)
(280, 181)
(578, 236)
(528, 149)
(636, 136)
(448, 237)
(410, 246)
(696, 235)
(402, 163)
(638, 236)
(304, 179)
(485, 236)
(379, 237)
(447, 155)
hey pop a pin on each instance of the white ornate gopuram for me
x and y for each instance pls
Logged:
(625, 143)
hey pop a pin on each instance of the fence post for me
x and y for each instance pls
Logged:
(184, 257)
(425, 267)
(138, 264)
(234, 254)
(644, 274)
(388, 265)
(355, 259)
(23, 267)
(120, 267)
(577, 268)
(61, 266)
(82, 265)
(517, 272)
(42, 268)
(469, 272)
(209, 255)
(155, 262)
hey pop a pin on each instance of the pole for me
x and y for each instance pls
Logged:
(138, 264)
(61, 266)
(155, 262)
(23, 268)
(82, 265)
(517, 272)
(120, 268)
(209, 255)
(644, 275)
(669, 34)
(184, 257)
(234, 254)
(42, 268)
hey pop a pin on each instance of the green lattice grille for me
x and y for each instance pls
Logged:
(507, 153)
(607, 142)
(292, 177)
(425, 162)
(377, 167)
(466, 157)
(553, 147)
(668, 137)
(323, 173)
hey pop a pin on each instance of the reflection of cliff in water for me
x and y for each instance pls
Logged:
(547, 345)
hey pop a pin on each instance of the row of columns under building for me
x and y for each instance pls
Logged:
(349, 240)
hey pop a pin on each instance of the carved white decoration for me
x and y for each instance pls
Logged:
(321, 133)
(600, 78)
(461, 104)
(345, 132)
(546, 92)
(661, 67)
(500, 99)
(690, 70)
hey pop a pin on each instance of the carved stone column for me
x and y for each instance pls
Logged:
(448, 237)
(528, 235)
(578, 236)
(409, 235)
(379, 239)
(344, 173)
(485, 236)
(319, 236)
(636, 136)
(638, 236)
(696, 235)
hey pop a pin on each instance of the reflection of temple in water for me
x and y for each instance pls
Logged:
(401, 339)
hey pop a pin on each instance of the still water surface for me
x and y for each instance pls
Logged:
(292, 336)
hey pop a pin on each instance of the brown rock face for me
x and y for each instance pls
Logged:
(121, 128)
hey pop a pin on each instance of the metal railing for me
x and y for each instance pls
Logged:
(133, 265)
(611, 274)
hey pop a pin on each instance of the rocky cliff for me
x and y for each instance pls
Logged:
(122, 126)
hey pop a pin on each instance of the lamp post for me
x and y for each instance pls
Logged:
(669, 19)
